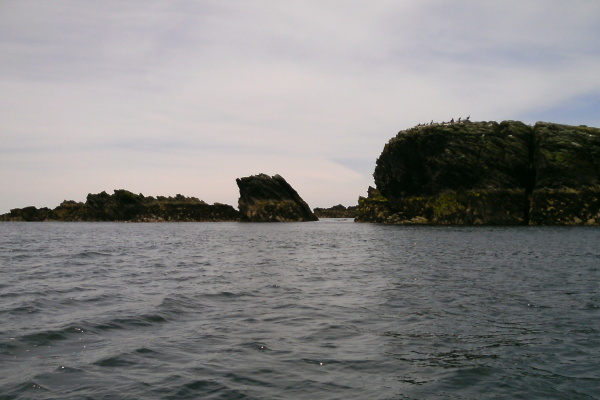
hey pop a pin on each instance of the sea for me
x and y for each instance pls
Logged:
(318, 310)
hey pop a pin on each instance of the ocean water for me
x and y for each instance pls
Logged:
(324, 310)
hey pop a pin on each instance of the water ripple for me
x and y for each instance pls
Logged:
(326, 310)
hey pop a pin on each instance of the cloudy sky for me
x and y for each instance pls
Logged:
(182, 96)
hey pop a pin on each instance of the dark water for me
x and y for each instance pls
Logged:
(326, 310)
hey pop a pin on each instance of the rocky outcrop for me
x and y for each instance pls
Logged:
(127, 206)
(265, 198)
(30, 213)
(338, 211)
(489, 173)
(567, 182)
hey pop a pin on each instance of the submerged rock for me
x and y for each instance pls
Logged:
(490, 173)
(265, 198)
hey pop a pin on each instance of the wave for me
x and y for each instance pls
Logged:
(116, 361)
(75, 332)
(131, 322)
(181, 304)
(44, 338)
(92, 254)
(27, 390)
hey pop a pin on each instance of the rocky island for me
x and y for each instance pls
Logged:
(464, 173)
(487, 173)
(265, 198)
(262, 199)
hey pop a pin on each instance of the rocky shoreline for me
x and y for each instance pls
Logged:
(464, 173)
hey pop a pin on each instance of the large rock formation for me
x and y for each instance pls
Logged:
(491, 173)
(265, 198)
(127, 206)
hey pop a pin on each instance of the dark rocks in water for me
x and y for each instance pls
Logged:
(489, 173)
(31, 213)
(127, 206)
(265, 198)
(338, 211)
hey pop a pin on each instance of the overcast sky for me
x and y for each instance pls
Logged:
(166, 97)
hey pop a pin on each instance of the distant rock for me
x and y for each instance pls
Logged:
(124, 205)
(476, 173)
(338, 211)
(265, 198)
(30, 213)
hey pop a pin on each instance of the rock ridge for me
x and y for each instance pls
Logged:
(124, 205)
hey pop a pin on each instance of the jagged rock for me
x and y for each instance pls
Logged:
(265, 198)
(487, 173)
(338, 211)
(127, 206)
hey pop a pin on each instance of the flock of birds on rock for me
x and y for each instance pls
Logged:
(460, 120)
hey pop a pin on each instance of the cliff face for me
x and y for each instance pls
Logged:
(567, 181)
(491, 173)
(126, 206)
(271, 199)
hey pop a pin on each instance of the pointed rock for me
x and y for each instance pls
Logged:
(265, 198)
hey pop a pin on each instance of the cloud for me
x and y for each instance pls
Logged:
(185, 96)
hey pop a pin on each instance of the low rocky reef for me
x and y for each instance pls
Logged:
(124, 205)
(338, 211)
(487, 173)
(262, 199)
(265, 198)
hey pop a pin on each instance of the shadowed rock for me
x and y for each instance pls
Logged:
(124, 205)
(265, 198)
(338, 211)
(489, 173)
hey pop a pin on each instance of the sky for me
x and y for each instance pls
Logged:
(184, 96)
